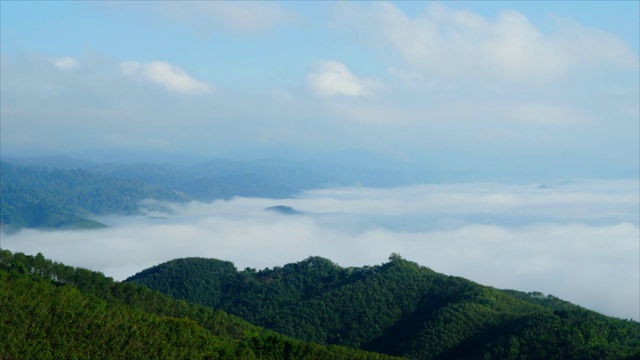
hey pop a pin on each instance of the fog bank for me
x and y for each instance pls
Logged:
(576, 240)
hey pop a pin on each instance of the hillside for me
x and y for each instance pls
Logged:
(53, 311)
(39, 197)
(63, 192)
(398, 308)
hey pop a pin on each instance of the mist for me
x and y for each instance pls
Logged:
(578, 240)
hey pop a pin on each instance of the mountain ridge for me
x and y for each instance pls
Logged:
(398, 308)
(54, 311)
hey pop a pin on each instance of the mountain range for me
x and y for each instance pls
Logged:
(53, 311)
(69, 192)
(397, 308)
(311, 309)
(63, 192)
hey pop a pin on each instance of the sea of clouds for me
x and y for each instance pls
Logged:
(578, 240)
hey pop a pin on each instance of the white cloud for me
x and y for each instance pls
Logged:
(583, 44)
(171, 77)
(65, 63)
(112, 104)
(455, 43)
(51, 107)
(581, 202)
(329, 78)
(577, 241)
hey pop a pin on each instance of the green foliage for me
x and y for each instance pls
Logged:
(53, 311)
(398, 308)
(45, 197)
(55, 198)
(64, 193)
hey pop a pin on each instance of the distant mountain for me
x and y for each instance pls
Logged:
(285, 210)
(40, 197)
(397, 308)
(51, 162)
(53, 311)
(62, 192)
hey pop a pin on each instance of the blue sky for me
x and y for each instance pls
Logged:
(399, 78)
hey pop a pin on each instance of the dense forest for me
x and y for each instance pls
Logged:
(313, 309)
(53, 311)
(398, 308)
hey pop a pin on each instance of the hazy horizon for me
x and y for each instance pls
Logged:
(511, 82)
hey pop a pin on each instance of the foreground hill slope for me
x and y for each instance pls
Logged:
(52, 311)
(398, 308)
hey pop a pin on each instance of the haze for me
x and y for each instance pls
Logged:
(539, 80)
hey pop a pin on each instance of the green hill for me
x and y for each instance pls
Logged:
(398, 308)
(52, 311)
(61, 192)
(39, 197)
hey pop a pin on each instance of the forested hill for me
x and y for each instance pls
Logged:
(398, 308)
(64, 192)
(52, 311)
(39, 197)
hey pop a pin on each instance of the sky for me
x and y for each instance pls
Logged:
(398, 78)
(575, 240)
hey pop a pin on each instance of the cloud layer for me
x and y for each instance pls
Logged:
(217, 77)
(459, 43)
(329, 78)
(577, 241)
(171, 77)
(65, 62)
